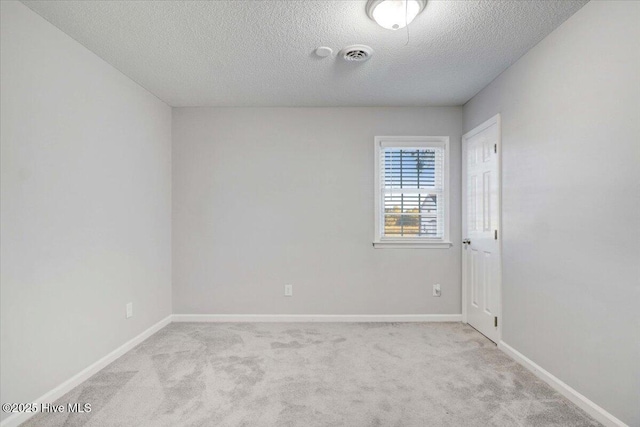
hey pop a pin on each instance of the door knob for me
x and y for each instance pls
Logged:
(466, 242)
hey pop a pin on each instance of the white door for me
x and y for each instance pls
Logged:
(481, 228)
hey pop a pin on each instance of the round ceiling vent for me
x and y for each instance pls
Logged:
(356, 53)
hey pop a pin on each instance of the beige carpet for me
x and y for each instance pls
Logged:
(317, 374)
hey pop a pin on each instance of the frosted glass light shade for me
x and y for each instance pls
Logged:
(394, 14)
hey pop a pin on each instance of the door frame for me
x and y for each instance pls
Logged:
(497, 120)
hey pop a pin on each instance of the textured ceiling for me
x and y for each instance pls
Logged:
(260, 53)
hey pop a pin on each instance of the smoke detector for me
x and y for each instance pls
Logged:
(356, 53)
(324, 51)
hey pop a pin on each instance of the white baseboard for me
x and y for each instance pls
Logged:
(581, 401)
(317, 317)
(50, 397)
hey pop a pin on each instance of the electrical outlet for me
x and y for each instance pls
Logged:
(288, 290)
(436, 290)
(129, 310)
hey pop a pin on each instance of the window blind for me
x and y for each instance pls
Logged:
(412, 192)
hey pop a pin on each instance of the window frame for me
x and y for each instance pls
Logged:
(379, 241)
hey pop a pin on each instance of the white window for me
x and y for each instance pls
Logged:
(412, 201)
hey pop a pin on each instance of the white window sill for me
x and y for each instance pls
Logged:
(398, 244)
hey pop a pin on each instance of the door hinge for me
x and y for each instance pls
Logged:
(495, 148)
(495, 234)
(495, 321)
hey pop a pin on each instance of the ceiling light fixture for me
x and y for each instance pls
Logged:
(394, 14)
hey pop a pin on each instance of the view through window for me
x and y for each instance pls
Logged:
(412, 190)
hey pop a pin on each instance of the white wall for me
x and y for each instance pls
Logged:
(273, 196)
(571, 122)
(86, 206)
